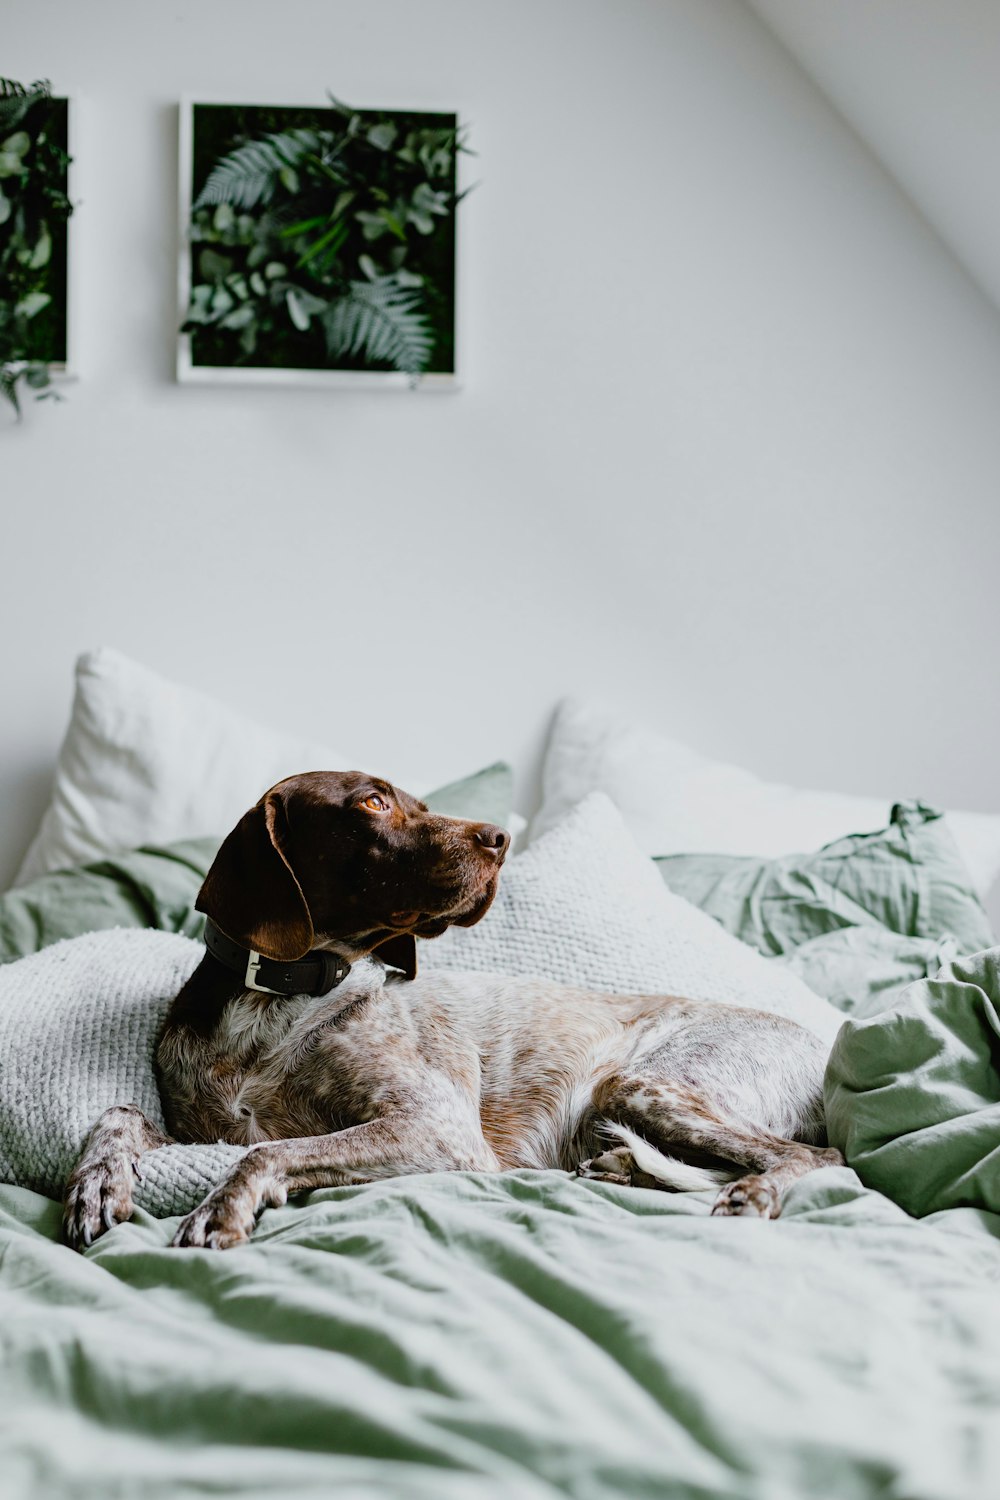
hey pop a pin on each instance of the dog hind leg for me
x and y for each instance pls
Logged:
(653, 1116)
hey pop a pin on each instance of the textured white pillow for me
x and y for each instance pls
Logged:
(678, 801)
(79, 1024)
(149, 761)
(584, 906)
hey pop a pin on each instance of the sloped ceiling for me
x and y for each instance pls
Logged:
(919, 81)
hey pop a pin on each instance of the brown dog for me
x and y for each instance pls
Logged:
(336, 1074)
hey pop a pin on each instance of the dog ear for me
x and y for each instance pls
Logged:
(401, 952)
(251, 891)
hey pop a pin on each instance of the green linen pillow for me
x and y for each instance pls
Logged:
(487, 796)
(913, 1094)
(149, 887)
(858, 920)
(156, 886)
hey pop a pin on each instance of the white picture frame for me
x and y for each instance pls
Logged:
(69, 369)
(188, 372)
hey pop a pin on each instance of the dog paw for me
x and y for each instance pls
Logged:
(754, 1197)
(98, 1196)
(611, 1166)
(222, 1221)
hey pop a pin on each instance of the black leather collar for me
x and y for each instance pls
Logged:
(316, 974)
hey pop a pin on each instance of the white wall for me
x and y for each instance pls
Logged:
(728, 449)
(918, 80)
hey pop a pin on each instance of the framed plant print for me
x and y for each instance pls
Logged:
(318, 245)
(36, 154)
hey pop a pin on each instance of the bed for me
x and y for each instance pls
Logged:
(531, 1334)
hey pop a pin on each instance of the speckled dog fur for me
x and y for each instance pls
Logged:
(387, 1075)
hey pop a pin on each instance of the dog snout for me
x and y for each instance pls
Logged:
(494, 840)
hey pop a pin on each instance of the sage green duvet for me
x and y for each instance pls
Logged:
(457, 1337)
(453, 1337)
(913, 1092)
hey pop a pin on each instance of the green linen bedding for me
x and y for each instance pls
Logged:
(859, 919)
(464, 1337)
(913, 1093)
(149, 887)
(528, 1335)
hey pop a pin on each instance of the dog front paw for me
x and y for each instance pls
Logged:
(98, 1196)
(226, 1218)
(217, 1224)
(228, 1215)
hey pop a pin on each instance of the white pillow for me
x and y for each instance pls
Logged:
(148, 761)
(678, 801)
(584, 906)
(79, 1023)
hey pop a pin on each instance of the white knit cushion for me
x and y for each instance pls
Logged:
(78, 1029)
(678, 801)
(584, 906)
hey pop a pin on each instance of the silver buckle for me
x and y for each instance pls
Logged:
(250, 977)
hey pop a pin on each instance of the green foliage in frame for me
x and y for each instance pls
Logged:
(323, 239)
(34, 210)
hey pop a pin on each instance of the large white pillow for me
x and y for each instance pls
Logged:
(678, 801)
(149, 761)
(584, 906)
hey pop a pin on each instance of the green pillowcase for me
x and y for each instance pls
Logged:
(858, 920)
(148, 887)
(156, 886)
(486, 797)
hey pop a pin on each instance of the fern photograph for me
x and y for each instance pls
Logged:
(319, 240)
(34, 239)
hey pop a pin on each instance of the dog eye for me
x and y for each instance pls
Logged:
(375, 803)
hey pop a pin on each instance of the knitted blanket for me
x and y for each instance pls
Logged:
(78, 1028)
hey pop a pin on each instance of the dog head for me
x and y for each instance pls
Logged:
(348, 862)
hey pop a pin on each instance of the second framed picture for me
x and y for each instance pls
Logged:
(318, 246)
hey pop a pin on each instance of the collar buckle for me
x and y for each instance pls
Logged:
(252, 970)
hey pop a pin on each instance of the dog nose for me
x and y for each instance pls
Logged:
(495, 840)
